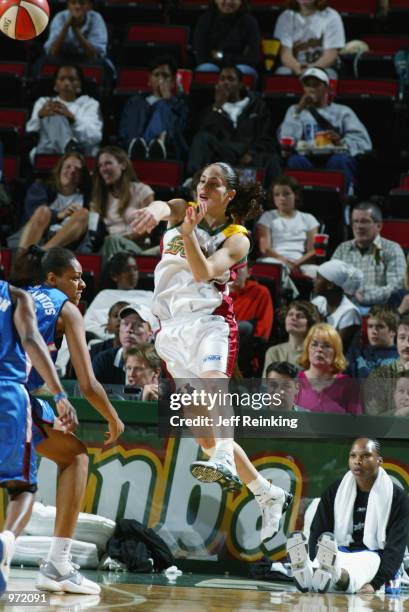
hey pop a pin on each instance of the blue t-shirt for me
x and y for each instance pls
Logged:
(13, 360)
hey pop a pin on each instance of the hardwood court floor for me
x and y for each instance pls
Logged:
(194, 593)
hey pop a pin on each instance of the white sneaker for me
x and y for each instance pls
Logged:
(220, 468)
(329, 571)
(301, 565)
(5, 557)
(50, 579)
(272, 512)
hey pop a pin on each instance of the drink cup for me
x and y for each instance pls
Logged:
(287, 142)
(93, 219)
(321, 244)
(184, 80)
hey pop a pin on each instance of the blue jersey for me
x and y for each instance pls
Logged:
(13, 360)
(48, 303)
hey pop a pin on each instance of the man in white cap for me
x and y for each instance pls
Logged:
(338, 126)
(137, 326)
(334, 280)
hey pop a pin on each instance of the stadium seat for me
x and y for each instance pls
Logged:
(132, 81)
(17, 68)
(11, 165)
(94, 73)
(270, 275)
(142, 43)
(378, 61)
(45, 163)
(147, 264)
(163, 176)
(279, 92)
(397, 230)
(119, 12)
(372, 99)
(5, 261)
(12, 123)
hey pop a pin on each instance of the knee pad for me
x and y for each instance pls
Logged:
(23, 488)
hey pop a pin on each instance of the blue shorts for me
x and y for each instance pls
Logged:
(17, 456)
(43, 414)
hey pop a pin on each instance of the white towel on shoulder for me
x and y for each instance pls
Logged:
(377, 512)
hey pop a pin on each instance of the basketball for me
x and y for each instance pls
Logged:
(23, 19)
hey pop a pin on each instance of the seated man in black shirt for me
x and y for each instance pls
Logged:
(359, 532)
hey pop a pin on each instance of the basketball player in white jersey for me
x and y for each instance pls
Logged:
(203, 245)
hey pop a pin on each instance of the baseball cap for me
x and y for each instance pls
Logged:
(318, 73)
(143, 313)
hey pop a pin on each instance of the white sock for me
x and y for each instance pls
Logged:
(208, 451)
(260, 487)
(10, 540)
(59, 554)
(225, 445)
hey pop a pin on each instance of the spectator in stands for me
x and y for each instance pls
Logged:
(401, 395)
(236, 128)
(282, 378)
(57, 209)
(78, 34)
(399, 300)
(300, 316)
(311, 35)
(380, 382)
(117, 194)
(334, 280)
(143, 367)
(68, 121)
(286, 234)
(152, 124)
(120, 272)
(339, 126)
(323, 387)
(112, 327)
(381, 349)
(135, 327)
(381, 261)
(253, 306)
(226, 34)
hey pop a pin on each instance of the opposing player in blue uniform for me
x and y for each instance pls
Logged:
(20, 343)
(53, 278)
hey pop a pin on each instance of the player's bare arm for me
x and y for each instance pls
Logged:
(234, 249)
(90, 387)
(146, 219)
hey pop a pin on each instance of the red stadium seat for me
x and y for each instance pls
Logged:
(131, 80)
(385, 45)
(367, 8)
(45, 162)
(397, 230)
(167, 174)
(160, 36)
(95, 73)
(91, 264)
(147, 264)
(13, 118)
(5, 261)
(11, 167)
(368, 87)
(17, 68)
(330, 179)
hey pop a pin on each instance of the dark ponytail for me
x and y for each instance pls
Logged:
(32, 265)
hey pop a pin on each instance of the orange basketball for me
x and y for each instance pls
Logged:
(23, 19)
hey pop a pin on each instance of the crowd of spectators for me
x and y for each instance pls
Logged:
(352, 324)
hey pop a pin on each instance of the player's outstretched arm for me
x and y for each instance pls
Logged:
(146, 219)
(33, 343)
(94, 392)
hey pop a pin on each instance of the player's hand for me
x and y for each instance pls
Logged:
(366, 589)
(67, 415)
(144, 221)
(193, 217)
(116, 428)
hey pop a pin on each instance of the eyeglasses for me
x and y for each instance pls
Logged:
(322, 345)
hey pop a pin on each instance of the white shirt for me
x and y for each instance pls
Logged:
(87, 127)
(63, 201)
(288, 234)
(345, 315)
(308, 36)
(234, 109)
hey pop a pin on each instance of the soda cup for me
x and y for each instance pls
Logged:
(321, 244)
(184, 80)
(287, 142)
(392, 586)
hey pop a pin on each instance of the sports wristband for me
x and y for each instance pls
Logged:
(59, 396)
